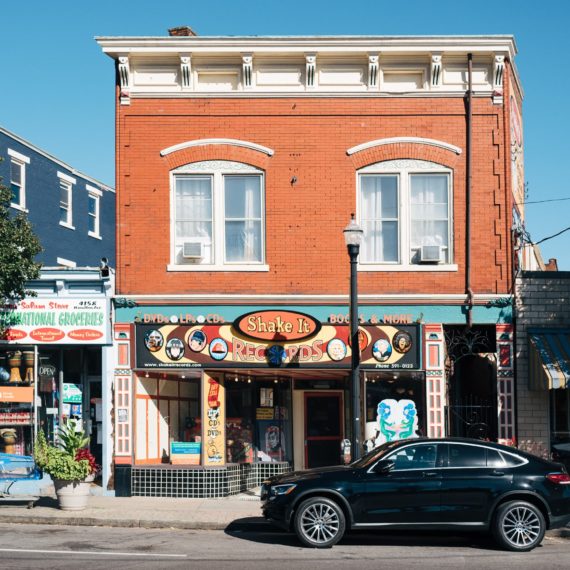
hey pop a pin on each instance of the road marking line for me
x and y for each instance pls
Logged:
(94, 552)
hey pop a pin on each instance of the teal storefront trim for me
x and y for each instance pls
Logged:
(448, 314)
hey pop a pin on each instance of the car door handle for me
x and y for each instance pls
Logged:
(430, 473)
(498, 473)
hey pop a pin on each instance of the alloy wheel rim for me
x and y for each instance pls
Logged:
(521, 526)
(320, 523)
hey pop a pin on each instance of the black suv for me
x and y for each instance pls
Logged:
(445, 484)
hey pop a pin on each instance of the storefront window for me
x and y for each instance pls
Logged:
(395, 407)
(258, 420)
(168, 412)
(16, 400)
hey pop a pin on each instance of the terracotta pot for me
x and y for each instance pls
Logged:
(14, 362)
(72, 495)
(29, 364)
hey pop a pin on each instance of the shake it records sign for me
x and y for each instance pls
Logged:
(57, 321)
(278, 339)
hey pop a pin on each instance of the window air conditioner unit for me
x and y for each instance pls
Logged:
(430, 254)
(193, 249)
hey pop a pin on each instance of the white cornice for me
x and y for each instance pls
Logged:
(397, 140)
(205, 142)
(300, 44)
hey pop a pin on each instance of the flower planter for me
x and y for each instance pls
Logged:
(72, 495)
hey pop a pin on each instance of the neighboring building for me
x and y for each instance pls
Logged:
(54, 350)
(543, 362)
(240, 160)
(72, 213)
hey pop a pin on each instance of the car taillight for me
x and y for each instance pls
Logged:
(559, 478)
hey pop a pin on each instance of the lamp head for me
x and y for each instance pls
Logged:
(353, 233)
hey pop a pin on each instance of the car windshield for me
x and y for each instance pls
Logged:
(374, 455)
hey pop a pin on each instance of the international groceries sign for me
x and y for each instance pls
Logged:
(57, 321)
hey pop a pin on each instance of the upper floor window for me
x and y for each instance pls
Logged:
(18, 179)
(218, 212)
(93, 211)
(66, 200)
(405, 212)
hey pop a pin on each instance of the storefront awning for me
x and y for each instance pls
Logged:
(549, 360)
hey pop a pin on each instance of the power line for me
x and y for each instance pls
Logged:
(541, 201)
(552, 236)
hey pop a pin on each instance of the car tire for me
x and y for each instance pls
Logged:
(518, 526)
(319, 522)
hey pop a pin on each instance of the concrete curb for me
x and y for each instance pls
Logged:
(134, 523)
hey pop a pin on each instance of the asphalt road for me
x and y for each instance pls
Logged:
(255, 547)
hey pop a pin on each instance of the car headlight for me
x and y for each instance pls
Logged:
(282, 489)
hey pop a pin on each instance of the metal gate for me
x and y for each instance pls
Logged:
(475, 420)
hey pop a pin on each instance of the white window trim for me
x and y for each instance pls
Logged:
(21, 160)
(66, 262)
(70, 181)
(96, 194)
(216, 169)
(403, 168)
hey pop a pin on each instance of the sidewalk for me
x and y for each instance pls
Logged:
(145, 512)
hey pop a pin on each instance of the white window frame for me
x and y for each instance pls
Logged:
(68, 182)
(403, 169)
(216, 169)
(96, 194)
(21, 161)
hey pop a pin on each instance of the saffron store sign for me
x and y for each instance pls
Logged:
(285, 326)
(69, 321)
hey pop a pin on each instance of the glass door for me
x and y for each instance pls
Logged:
(323, 428)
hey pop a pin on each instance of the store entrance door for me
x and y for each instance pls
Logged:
(323, 428)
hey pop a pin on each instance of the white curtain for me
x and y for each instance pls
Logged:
(243, 218)
(193, 210)
(429, 211)
(379, 217)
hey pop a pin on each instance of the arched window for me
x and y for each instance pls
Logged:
(218, 213)
(405, 209)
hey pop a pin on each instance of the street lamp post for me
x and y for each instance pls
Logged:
(353, 237)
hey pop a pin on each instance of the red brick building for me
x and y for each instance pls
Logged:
(239, 163)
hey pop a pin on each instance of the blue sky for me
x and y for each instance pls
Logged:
(58, 92)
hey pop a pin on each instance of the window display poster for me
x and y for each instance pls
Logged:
(271, 441)
(395, 420)
(266, 397)
(213, 412)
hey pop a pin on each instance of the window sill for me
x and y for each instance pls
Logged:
(66, 225)
(408, 268)
(96, 236)
(212, 268)
(20, 208)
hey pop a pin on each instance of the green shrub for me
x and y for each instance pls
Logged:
(58, 463)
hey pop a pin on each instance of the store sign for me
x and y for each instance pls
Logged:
(69, 321)
(185, 452)
(72, 394)
(223, 346)
(213, 410)
(16, 394)
(277, 325)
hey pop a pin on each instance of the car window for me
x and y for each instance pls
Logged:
(512, 460)
(374, 455)
(466, 456)
(415, 457)
(495, 459)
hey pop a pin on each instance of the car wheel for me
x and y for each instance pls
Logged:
(519, 526)
(319, 522)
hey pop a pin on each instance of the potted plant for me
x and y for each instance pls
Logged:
(70, 465)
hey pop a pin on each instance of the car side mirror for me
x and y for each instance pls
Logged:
(384, 466)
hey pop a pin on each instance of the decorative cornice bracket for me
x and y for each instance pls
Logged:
(311, 65)
(436, 78)
(124, 79)
(373, 71)
(247, 70)
(186, 71)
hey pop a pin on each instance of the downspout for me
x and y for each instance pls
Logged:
(469, 117)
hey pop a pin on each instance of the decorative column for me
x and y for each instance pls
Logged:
(505, 385)
(434, 358)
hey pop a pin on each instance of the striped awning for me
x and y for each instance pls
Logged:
(549, 360)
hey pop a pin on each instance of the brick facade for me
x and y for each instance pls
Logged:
(310, 139)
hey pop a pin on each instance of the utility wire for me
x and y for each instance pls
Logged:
(552, 236)
(541, 201)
